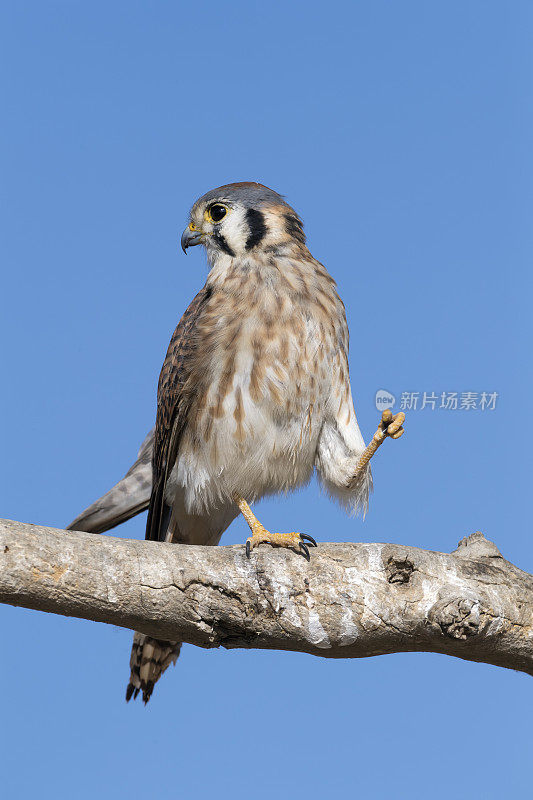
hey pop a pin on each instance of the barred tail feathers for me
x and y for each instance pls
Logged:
(149, 659)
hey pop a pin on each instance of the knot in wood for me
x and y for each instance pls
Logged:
(399, 570)
(459, 618)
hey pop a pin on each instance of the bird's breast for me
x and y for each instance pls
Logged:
(258, 404)
(263, 391)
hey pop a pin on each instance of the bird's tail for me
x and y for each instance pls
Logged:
(131, 495)
(149, 659)
(128, 497)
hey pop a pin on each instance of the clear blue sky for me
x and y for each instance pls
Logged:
(401, 131)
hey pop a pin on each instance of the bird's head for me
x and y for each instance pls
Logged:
(240, 218)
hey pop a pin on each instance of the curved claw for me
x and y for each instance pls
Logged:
(305, 551)
(293, 540)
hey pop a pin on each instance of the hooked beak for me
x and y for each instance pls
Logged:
(191, 236)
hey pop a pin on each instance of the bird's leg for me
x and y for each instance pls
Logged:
(390, 425)
(260, 533)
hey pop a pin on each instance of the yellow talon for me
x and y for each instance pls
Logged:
(260, 534)
(391, 424)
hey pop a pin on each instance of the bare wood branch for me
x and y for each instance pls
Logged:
(350, 601)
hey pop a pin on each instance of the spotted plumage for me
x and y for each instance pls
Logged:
(254, 393)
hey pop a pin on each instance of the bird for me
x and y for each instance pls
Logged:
(253, 398)
(127, 498)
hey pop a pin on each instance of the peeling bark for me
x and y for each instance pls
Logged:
(350, 601)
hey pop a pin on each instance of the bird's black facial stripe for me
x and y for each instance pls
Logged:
(294, 227)
(257, 227)
(222, 243)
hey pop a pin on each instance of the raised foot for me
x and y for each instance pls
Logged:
(390, 425)
(294, 540)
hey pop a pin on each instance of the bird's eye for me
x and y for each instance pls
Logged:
(217, 212)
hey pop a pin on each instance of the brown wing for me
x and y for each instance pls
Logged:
(172, 408)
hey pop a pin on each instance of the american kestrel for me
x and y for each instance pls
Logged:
(253, 397)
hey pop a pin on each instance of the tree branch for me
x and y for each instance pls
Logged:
(350, 601)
